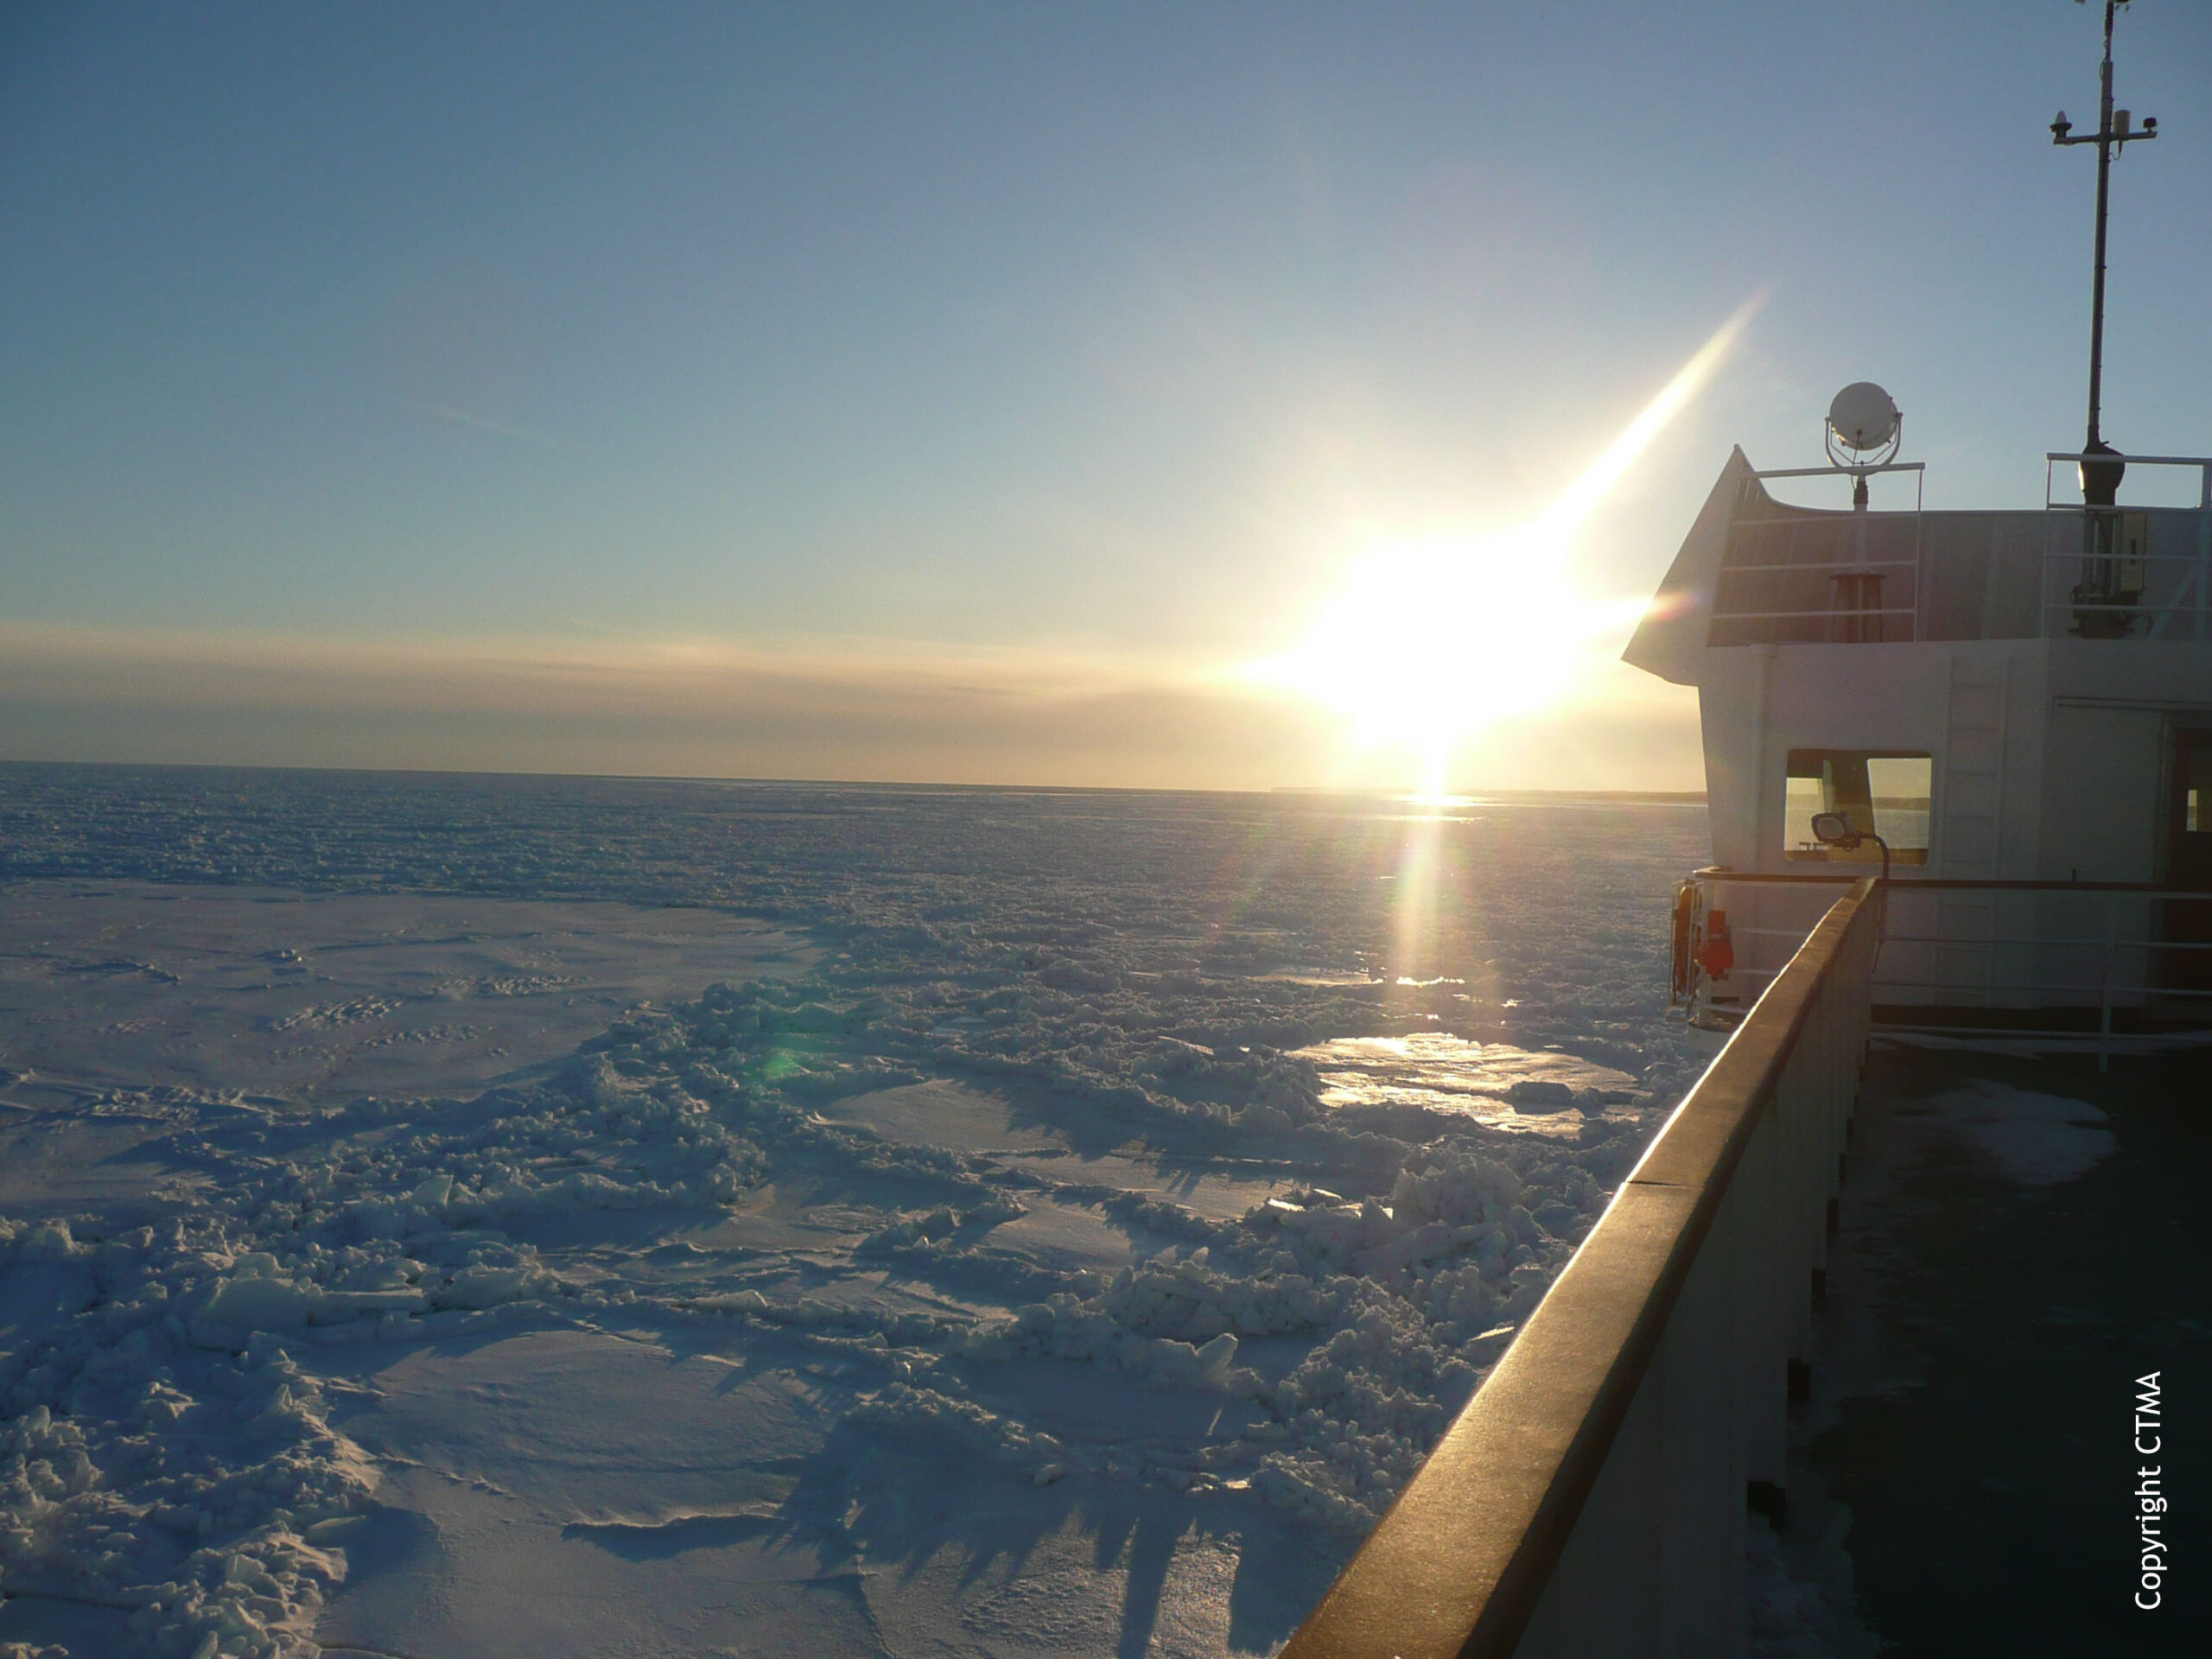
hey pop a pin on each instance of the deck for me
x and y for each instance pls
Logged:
(1962, 1474)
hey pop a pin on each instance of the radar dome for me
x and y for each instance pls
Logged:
(1863, 416)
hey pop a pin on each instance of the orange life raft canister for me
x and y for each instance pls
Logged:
(1718, 954)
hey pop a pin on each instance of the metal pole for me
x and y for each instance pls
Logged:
(2102, 467)
(2104, 193)
(2112, 955)
(2101, 477)
(2205, 554)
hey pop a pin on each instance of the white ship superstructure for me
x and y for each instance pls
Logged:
(2011, 713)
(2018, 703)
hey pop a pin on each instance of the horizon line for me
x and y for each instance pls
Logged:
(1471, 794)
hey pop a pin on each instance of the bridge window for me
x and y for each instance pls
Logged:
(1882, 792)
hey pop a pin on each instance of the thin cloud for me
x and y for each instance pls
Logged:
(486, 423)
(888, 711)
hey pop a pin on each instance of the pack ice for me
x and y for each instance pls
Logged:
(1044, 1222)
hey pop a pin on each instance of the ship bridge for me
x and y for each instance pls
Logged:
(2010, 710)
(1756, 570)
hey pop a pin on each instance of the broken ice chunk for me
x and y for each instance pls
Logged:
(1539, 1095)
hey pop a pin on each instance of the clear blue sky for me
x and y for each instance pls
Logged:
(978, 340)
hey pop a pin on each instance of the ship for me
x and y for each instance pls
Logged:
(1959, 774)
(2007, 713)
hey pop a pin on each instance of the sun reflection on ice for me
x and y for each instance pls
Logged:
(1497, 1085)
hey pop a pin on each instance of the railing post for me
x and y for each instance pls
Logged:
(2203, 551)
(2111, 958)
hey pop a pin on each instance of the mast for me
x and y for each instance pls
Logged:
(2096, 440)
(2100, 479)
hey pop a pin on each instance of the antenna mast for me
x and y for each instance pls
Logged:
(2100, 480)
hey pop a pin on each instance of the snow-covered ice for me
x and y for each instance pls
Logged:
(2036, 1139)
(320, 995)
(475, 1217)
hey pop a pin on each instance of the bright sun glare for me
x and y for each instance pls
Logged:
(1430, 640)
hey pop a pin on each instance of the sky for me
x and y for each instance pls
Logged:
(1175, 395)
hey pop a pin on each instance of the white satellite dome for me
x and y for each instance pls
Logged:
(1863, 416)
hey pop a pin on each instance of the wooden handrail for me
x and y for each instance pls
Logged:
(1458, 1565)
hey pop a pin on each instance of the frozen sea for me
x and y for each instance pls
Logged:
(485, 1215)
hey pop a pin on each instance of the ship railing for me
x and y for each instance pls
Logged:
(2101, 575)
(2088, 947)
(1592, 1499)
(1847, 549)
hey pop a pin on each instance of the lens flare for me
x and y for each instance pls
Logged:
(1431, 639)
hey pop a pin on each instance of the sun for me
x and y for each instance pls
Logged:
(1428, 640)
